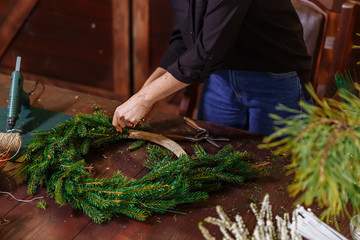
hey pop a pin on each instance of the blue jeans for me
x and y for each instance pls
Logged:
(244, 99)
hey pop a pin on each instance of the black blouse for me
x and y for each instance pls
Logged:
(253, 35)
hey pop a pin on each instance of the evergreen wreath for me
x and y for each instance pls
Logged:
(55, 159)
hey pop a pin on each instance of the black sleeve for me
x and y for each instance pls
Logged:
(221, 27)
(175, 49)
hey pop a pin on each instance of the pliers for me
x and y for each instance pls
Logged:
(202, 134)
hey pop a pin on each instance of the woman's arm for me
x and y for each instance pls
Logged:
(156, 74)
(133, 110)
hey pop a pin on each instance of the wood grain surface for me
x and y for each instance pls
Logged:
(26, 221)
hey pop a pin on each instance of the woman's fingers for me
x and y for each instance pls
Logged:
(130, 113)
(120, 122)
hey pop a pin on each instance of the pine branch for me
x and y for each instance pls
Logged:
(324, 146)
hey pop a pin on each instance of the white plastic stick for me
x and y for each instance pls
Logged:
(313, 228)
(18, 61)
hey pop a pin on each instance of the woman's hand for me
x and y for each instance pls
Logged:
(130, 113)
(133, 110)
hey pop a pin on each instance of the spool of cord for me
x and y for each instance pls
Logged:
(9, 142)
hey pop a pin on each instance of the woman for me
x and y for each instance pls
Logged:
(250, 54)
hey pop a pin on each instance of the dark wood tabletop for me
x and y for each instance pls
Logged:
(20, 220)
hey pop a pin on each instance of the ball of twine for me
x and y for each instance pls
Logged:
(9, 142)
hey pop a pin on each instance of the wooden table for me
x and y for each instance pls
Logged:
(27, 221)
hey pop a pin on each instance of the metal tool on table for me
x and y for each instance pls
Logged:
(202, 134)
(17, 96)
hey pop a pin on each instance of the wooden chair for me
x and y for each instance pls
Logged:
(314, 21)
(346, 57)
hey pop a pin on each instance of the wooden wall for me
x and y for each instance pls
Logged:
(99, 46)
(152, 24)
(68, 40)
(161, 23)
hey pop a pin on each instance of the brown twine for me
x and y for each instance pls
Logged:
(9, 142)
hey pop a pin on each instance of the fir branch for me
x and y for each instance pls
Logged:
(136, 145)
(41, 204)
